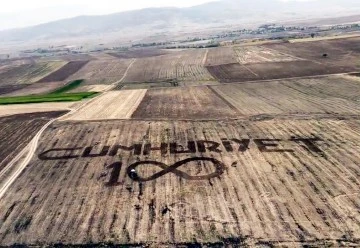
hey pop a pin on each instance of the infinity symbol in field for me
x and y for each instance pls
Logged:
(220, 167)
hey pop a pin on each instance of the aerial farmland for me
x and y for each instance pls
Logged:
(242, 145)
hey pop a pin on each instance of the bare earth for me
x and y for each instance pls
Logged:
(278, 189)
(262, 150)
(32, 108)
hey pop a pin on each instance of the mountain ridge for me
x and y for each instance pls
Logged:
(210, 14)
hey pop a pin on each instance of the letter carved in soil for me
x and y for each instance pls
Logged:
(219, 169)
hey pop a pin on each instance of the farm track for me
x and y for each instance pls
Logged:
(33, 145)
(102, 72)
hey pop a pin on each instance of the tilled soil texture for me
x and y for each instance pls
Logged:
(101, 72)
(184, 103)
(29, 73)
(64, 72)
(7, 89)
(220, 56)
(271, 182)
(231, 73)
(187, 65)
(330, 94)
(286, 60)
(340, 53)
(37, 88)
(15, 109)
(17, 131)
(140, 53)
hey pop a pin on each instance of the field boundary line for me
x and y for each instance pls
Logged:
(32, 146)
(224, 99)
(136, 105)
(289, 78)
(113, 85)
(256, 75)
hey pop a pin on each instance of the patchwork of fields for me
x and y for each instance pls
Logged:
(254, 146)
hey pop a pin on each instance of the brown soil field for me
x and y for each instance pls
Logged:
(183, 103)
(231, 73)
(111, 105)
(296, 96)
(187, 65)
(141, 53)
(37, 88)
(29, 73)
(102, 71)
(17, 130)
(7, 89)
(221, 55)
(6, 110)
(64, 72)
(341, 53)
(274, 183)
(284, 60)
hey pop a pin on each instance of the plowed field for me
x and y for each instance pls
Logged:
(29, 73)
(17, 130)
(183, 103)
(185, 65)
(230, 73)
(64, 72)
(318, 95)
(278, 182)
(36, 89)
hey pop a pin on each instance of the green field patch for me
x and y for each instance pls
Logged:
(72, 85)
(52, 97)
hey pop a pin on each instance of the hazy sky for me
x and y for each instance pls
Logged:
(21, 13)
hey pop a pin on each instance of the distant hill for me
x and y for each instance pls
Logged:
(217, 13)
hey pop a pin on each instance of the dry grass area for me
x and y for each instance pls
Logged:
(258, 54)
(6, 110)
(280, 190)
(29, 72)
(183, 103)
(297, 96)
(111, 105)
(187, 65)
(102, 71)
